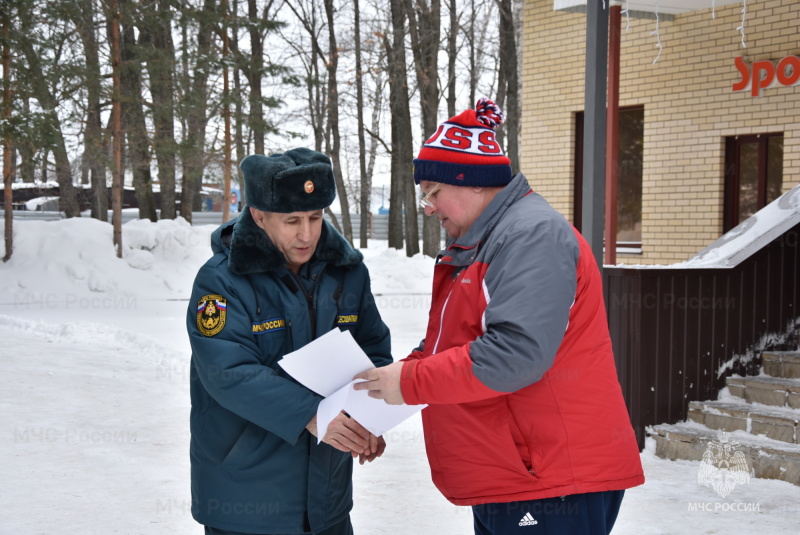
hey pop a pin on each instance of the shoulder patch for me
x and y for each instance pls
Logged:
(211, 312)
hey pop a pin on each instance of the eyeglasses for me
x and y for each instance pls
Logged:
(425, 201)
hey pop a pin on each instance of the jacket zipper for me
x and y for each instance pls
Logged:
(289, 331)
(441, 316)
(312, 311)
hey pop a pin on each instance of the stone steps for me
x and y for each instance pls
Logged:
(766, 458)
(774, 391)
(758, 416)
(780, 424)
(784, 364)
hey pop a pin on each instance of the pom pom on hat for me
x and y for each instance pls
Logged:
(489, 113)
(464, 152)
(300, 180)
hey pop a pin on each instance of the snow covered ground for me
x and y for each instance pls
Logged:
(94, 400)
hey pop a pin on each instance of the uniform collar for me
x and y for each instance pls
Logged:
(251, 251)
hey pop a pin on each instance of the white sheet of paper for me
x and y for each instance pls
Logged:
(327, 363)
(327, 366)
(375, 415)
(328, 409)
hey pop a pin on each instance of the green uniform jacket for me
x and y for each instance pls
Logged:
(255, 467)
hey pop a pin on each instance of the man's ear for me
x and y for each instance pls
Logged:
(258, 217)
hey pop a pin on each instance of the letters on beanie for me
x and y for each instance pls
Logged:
(464, 152)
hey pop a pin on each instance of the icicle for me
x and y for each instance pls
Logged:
(744, 15)
(657, 33)
(713, 9)
(627, 15)
(604, 5)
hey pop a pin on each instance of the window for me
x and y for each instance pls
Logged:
(753, 175)
(629, 177)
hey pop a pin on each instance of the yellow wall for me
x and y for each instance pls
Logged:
(689, 109)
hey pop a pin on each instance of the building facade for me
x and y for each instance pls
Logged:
(700, 149)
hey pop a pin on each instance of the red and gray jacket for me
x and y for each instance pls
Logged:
(517, 365)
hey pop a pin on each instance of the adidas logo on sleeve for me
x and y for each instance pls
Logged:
(528, 520)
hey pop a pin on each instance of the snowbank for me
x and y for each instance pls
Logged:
(73, 259)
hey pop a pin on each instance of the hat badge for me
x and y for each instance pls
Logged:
(309, 186)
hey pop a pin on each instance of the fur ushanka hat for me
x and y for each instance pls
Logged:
(299, 180)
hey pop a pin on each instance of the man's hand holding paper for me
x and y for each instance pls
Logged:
(347, 435)
(382, 383)
(327, 366)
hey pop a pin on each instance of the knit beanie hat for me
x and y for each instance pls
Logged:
(464, 152)
(300, 180)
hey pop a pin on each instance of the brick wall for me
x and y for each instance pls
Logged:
(689, 109)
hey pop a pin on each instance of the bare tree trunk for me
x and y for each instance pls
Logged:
(376, 122)
(156, 34)
(8, 168)
(508, 83)
(93, 136)
(424, 21)
(68, 202)
(316, 88)
(410, 200)
(402, 154)
(374, 140)
(366, 181)
(84, 180)
(39, 88)
(116, 114)
(27, 150)
(333, 122)
(319, 103)
(476, 34)
(255, 74)
(226, 112)
(424, 24)
(196, 117)
(252, 65)
(398, 92)
(473, 68)
(241, 148)
(44, 172)
(452, 57)
(133, 119)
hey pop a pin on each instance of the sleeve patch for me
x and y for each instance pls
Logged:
(276, 324)
(211, 312)
(347, 319)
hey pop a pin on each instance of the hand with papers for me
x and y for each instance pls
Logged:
(382, 383)
(327, 366)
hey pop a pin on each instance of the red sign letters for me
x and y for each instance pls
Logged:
(765, 74)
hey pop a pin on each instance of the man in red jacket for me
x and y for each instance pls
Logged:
(526, 420)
